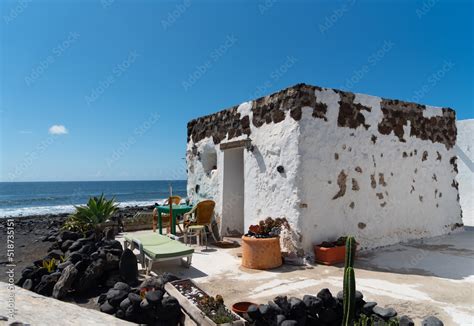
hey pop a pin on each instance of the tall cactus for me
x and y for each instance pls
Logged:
(350, 252)
(349, 283)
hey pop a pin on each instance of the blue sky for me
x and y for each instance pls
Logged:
(103, 89)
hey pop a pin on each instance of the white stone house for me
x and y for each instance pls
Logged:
(333, 163)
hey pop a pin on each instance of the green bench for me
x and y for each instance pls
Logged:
(155, 247)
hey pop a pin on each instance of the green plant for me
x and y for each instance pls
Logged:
(50, 264)
(370, 321)
(268, 228)
(349, 283)
(88, 217)
(215, 309)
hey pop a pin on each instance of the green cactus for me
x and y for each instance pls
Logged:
(349, 283)
(350, 252)
(349, 296)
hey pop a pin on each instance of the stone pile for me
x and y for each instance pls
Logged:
(324, 309)
(146, 304)
(81, 264)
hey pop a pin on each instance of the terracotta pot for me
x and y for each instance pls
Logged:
(329, 256)
(240, 308)
(261, 253)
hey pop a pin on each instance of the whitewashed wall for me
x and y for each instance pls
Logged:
(379, 206)
(398, 193)
(267, 192)
(465, 177)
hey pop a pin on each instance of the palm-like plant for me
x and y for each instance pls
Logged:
(96, 211)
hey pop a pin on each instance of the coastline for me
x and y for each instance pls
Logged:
(30, 232)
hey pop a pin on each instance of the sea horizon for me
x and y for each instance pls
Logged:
(26, 198)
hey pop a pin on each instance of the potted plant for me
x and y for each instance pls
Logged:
(330, 252)
(261, 244)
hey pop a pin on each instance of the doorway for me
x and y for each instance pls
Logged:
(233, 193)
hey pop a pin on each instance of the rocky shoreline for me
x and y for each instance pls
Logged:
(31, 230)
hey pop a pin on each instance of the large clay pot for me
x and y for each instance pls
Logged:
(261, 253)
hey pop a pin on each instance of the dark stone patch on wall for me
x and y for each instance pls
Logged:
(434, 177)
(455, 184)
(438, 129)
(358, 169)
(355, 185)
(373, 139)
(383, 204)
(278, 116)
(295, 114)
(425, 156)
(351, 205)
(350, 113)
(341, 182)
(453, 162)
(373, 183)
(420, 198)
(438, 158)
(245, 121)
(319, 111)
(456, 226)
(404, 155)
(382, 180)
(361, 225)
(336, 156)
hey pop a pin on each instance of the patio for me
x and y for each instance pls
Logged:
(419, 278)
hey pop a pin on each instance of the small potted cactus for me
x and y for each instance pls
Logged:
(330, 252)
(261, 244)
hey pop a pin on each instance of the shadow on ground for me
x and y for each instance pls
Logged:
(450, 257)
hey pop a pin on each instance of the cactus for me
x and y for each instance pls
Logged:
(350, 252)
(349, 296)
(349, 283)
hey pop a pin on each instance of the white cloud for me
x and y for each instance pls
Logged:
(57, 130)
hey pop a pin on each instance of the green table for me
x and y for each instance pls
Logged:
(177, 210)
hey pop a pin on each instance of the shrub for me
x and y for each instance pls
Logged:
(97, 210)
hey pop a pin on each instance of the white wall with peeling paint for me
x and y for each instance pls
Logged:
(411, 198)
(267, 192)
(465, 177)
(393, 198)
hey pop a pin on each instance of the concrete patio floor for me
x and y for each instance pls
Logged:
(420, 278)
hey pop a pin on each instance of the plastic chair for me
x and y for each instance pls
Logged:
(175, 200)
(194, 227)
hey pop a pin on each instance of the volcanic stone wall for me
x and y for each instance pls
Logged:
(272, 109)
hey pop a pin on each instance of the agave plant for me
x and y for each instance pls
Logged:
(88, 217)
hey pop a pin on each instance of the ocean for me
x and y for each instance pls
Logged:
(37, 198)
